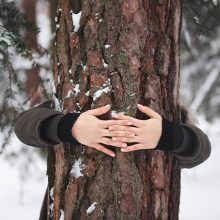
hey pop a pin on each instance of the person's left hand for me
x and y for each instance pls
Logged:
(147, 132)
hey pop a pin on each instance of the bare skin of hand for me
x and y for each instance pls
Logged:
(147, 132)
(93, 132)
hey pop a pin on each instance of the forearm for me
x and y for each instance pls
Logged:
(57, 129)
(199, 147)
(189, 144)
(28, 126)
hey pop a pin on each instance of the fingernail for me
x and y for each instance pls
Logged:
(115, 116)
(124, 145)
(114, 138)
(113, 155)
(107, 106)
(139, 105)
(122, 149)
(132, 135)
(129, 123)
(111, 128)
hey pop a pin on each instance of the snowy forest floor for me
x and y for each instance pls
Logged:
(21, 195)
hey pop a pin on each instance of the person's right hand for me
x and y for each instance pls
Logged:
(93, 132)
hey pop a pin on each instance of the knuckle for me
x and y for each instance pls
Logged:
(100, 124)
(120, 144)
(119, 133)
(141, 146)
(120, 128)
(120, 139)
(111, 122)
(128, 134)
(121, 122)
(124, 140)
(123, 128)
(142, 123)
(107, 141)
(113, 127)
(115, 133)
(114, 139)
(103, 133)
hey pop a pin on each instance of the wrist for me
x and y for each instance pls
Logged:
(65, 128)
(171, 137)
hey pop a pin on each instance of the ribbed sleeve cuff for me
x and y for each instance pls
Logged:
(64, 129)
(172, 136)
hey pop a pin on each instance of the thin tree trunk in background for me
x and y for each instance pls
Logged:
(129, 50)
(53, 10)
(33, 79)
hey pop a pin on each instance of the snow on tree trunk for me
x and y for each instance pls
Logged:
(123, 53)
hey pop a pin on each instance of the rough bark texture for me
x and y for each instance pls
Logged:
(129, 49)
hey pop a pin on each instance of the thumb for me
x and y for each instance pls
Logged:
(148, 111)
(99, 111)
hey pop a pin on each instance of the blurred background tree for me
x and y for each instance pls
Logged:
(25, 74)
(22, 60)
(200, 57)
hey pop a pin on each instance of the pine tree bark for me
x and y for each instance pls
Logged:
(129, 50)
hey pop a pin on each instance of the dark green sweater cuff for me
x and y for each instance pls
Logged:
(172, 136)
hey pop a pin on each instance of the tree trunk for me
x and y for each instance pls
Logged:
(127, 51)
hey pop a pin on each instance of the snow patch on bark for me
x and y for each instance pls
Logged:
(79, 107)
(51, 193)
(91, 208)
(74, 92)
(57, 102)
(76, 20)
(100, 92)
(51, 208)
(83, 66)
(58, 79)
(107, 46)
(77, 168)
(113, 113)
(61, 214)
(87, 93)
(52, 198)
(68, 94)
(104, 63)
(76, 89)
(53, 87)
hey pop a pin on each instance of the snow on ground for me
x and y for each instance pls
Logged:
(200, 186)
(21, 195)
